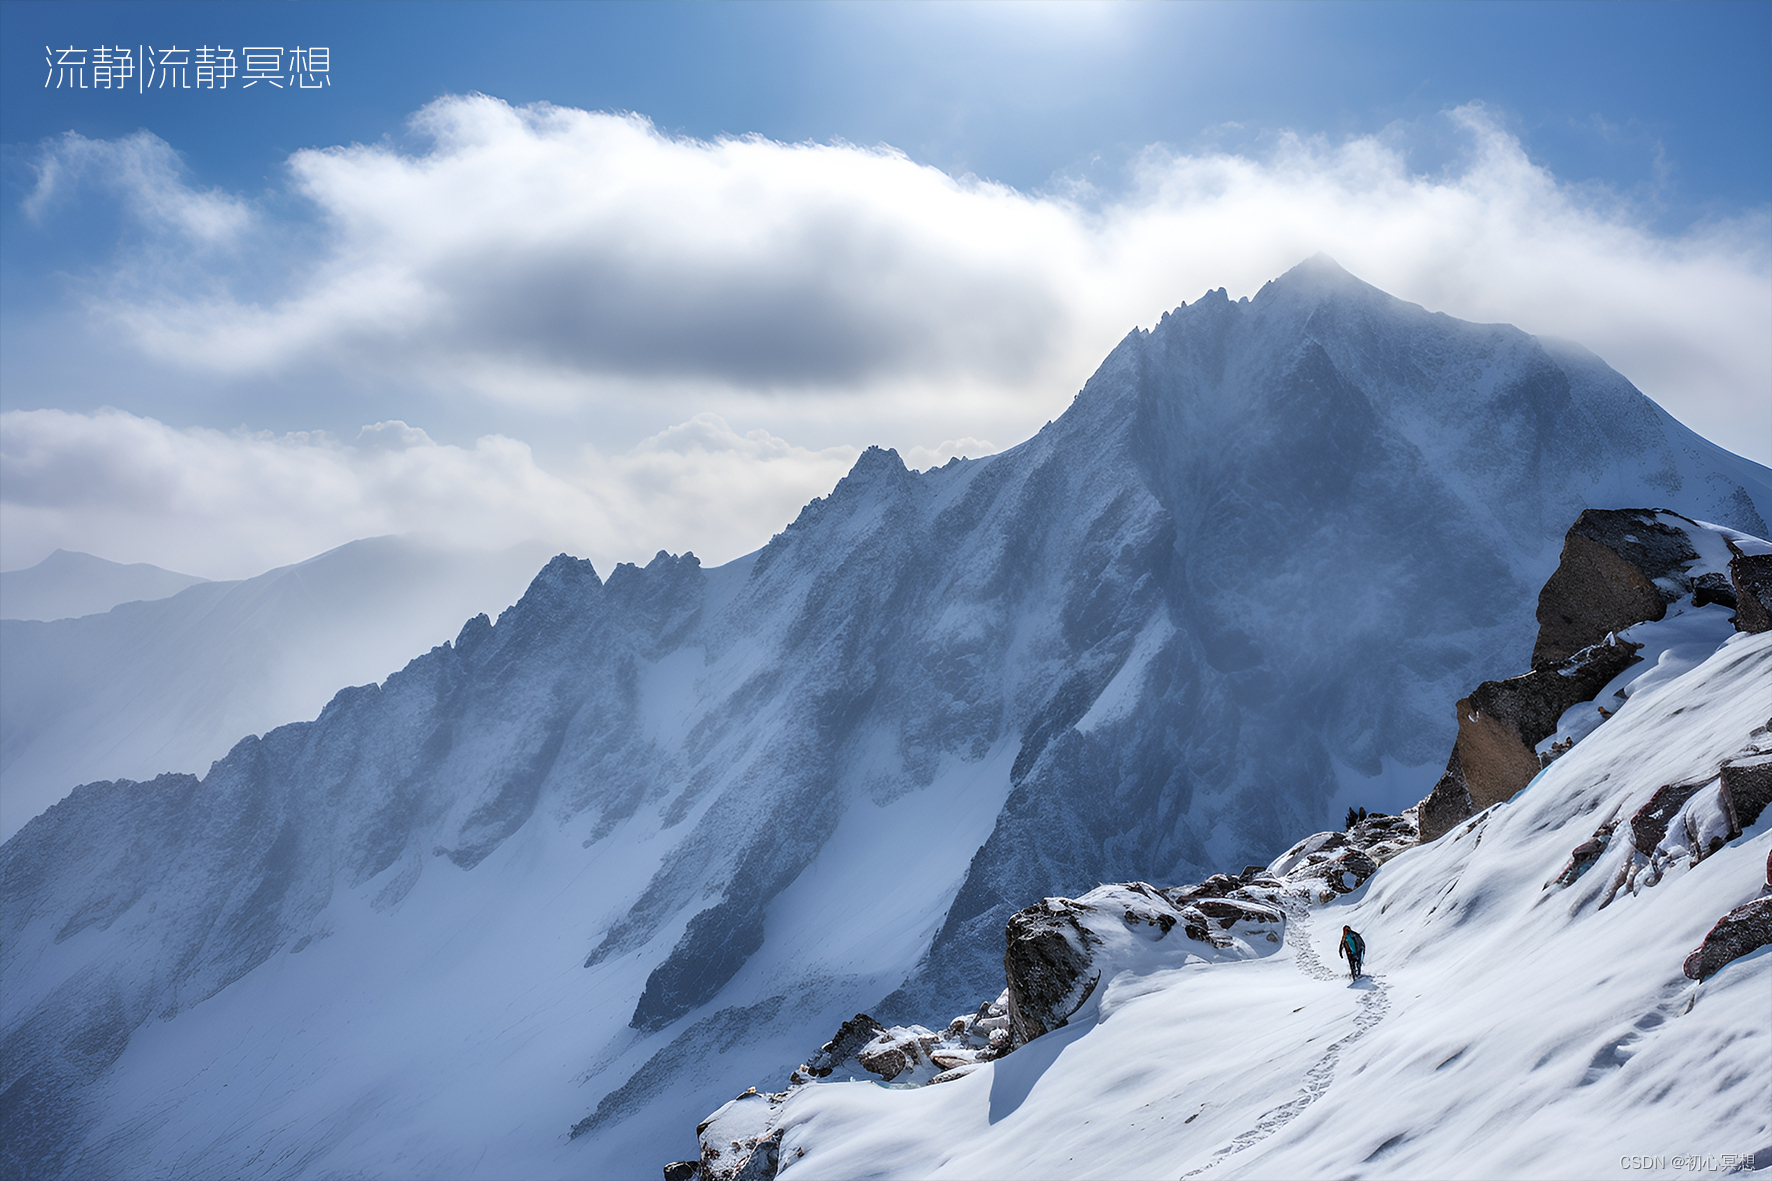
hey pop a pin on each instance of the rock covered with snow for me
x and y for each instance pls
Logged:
(1745, 929)
(739, 1142)
(1330, 863)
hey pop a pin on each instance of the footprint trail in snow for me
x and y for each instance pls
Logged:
(1373, 1007)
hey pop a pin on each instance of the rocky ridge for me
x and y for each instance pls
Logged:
(1620, 569)
(1057, 953)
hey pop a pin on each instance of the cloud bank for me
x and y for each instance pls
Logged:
(558, 258)
(230, 505)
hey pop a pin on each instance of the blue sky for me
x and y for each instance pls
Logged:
(189, 260)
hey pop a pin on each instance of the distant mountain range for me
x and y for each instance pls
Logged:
(68, 584)
(172, 683)
(645, 841)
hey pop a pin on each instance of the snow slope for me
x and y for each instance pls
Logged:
(646, 840)
(68, 584)
(1510, 1027)
(171, 684)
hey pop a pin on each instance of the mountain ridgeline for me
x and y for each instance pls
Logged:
(685, 820)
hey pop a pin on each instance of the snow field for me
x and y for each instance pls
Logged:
(1509, 1029)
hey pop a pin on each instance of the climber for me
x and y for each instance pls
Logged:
(1352, 949)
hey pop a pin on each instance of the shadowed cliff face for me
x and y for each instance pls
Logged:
(1248, 569)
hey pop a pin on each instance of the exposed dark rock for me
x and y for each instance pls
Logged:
(1744, 929)
(1585, 854)
(1227, 912)
(1751, 576)
(1447, 804)
(1196, 926)
(1746, 790)
(1606, 579)
(852, 1035)
(1044, 963)
(894, 1051)
(740, 1142)
(683, 1170)
(1712, 587)
(1649, 826)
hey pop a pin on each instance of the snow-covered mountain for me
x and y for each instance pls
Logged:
(172, 684)
(67, 584)
(645, 841)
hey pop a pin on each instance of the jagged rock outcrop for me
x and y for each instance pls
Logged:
(1683, 824)
(1501, 723)
(1751, 576)
(1585, 854)
(1746, 928)
(1619, 568)
(852, 1036)
(1648, 828)
(1047, 963)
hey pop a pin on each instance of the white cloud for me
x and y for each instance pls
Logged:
(565, 260)
(228, 505)
(145, 170)
(549, 255)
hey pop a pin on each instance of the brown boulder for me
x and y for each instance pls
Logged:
(1744, 929)
(1606, 578)
(1501, 723)
(1216, 886)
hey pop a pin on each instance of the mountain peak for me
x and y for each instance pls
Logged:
(1316, 277)
(877, 459)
